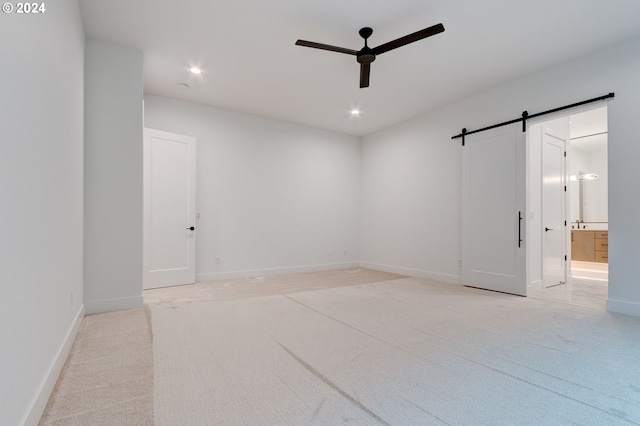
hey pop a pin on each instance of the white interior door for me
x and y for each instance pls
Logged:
(493, 206)
(169, 209)
(554, 265)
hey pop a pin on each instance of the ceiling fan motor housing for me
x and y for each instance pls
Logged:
(365, 55)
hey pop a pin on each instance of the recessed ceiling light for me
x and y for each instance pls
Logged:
(196, 70)
(355, 112)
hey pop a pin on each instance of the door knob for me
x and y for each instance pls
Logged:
(547, 229)
(191, 228)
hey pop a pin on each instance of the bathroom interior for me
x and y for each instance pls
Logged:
(588, 183)
(588, 212)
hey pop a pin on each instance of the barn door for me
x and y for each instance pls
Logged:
(493, 205)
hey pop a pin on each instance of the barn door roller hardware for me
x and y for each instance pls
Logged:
(525, 116)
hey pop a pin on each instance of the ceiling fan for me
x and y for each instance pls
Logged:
(366, 55)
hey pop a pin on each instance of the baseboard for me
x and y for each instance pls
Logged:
(536, 285)
(620, 307)
(34, 413)
(436, 276)
(112, 305)
(274, 271)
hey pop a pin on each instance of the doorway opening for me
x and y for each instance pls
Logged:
(568, 192)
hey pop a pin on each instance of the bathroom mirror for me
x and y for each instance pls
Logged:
(588, 178)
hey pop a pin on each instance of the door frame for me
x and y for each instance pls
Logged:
(530, 230)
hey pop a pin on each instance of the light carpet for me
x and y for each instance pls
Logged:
(243, 288)
(368, 349)
(402, 352)
(107, 378)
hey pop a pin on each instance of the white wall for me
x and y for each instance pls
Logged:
(579, 162)
(411, 171)
(274, 197)
(596, 190)
(41, 110)
(113, 178)
(410, 214)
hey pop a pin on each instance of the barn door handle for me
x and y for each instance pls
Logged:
(519, 229)
(547, 229)
(191, 228)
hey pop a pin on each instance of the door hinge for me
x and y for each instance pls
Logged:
(565, 257)
(565, 153)
(565, 188)
(565, 223)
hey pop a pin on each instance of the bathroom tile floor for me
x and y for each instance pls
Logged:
(588, 287)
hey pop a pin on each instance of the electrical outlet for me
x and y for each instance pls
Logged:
(217, 260)
(346, 252)
(198, 215)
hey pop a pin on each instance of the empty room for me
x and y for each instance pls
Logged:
(419, 212)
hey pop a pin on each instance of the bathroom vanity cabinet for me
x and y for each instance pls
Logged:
(590, 246)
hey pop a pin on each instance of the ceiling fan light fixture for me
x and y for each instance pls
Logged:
(196, 70)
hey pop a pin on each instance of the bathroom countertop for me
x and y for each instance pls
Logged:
(592, 227)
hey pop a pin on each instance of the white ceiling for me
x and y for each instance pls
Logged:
(250, 63)
(589, 130)
(587, 123)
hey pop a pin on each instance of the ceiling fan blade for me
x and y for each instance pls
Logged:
(325, 47)
(365, 70)
(418, 35)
